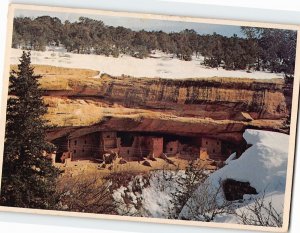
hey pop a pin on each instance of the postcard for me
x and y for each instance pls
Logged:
(149, 118)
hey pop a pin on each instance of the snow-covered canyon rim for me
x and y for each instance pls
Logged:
(159, 65)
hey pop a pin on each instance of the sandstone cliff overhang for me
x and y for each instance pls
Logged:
(216, 107)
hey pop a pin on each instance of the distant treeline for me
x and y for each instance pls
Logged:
(261, 48)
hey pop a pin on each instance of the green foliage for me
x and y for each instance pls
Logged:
(272, 50)
(28, 177)
(37, 33)
(141, 52)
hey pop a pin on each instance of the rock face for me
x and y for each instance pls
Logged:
(235, 190)
(215, 107)
(216, 98)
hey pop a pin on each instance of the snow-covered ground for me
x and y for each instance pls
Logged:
(263, 165)
(159, 65)
(149, 196)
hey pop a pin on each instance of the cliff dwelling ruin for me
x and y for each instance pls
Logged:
(133, 146)
(149, 118)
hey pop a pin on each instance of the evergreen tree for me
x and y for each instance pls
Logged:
(263, 49)
(28, 177)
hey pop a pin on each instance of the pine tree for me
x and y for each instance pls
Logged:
(28, 177)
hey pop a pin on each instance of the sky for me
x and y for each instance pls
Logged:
(137, 24)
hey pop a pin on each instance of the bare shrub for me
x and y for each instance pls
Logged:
(260, 213)
(86, 193)
(185, 185)
(120, 178)
(128, 197)
(207, 203)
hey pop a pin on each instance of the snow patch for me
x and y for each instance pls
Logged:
(158, 65)
(230, 158)
(148, 196)
(263, 165)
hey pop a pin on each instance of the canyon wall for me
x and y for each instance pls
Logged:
(82, 100)
(217, 107)
(216, 98)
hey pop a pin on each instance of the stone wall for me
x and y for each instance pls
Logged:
(109, 140)
(126, 152)
(172, 148)
(157, 146)
(86, 146)
(213, 146)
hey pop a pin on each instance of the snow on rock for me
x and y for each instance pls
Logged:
(157, 65)
(230, 158)
(148, 196)
(263, 165)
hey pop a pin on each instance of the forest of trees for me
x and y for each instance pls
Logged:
(273, 50)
